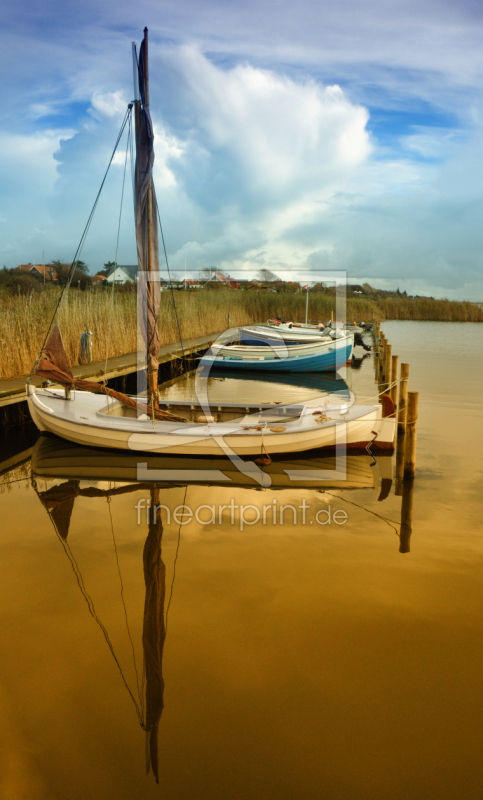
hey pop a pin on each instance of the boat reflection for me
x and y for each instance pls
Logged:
(321, 383)
(76, 466)
(59, 502)
(58, 458)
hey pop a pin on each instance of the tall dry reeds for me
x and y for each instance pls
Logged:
(425, 308)
(24, 320)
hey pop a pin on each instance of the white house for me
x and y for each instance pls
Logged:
(122, 274)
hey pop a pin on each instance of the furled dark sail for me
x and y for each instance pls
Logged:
(146, 221)
(54, 366)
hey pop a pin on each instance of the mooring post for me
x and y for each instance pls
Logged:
(388, 365)
(411, 426)
(394, 366)
(382, 348)
(403, 398)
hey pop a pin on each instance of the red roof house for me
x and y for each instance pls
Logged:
(40, 270)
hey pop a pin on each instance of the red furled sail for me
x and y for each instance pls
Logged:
(54, 366)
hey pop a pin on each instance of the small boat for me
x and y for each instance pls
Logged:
(292, 334)
(266, 335)
(93, 414)
(283, 324)
(193, 429)
(320, 356)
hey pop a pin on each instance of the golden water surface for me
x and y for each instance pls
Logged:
(300, 660)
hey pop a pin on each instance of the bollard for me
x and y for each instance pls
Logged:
(394, 366)
(411, 426)
(403, 398)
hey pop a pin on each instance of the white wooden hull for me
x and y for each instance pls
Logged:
(83, 420)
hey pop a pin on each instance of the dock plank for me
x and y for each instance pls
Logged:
(12, 390)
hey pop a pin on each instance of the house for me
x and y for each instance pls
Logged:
(42, 271)
(98, 280)
(217, 277)
(189, 283)
(122, 274)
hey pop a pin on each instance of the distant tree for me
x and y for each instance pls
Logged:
(79, 278)
(267, 276)
(108, 265)
(17, 282)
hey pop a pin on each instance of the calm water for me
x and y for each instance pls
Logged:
(300, 661)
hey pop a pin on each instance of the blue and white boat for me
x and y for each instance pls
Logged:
(288, 333)
(321, 356)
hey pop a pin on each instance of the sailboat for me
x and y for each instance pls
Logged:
(91, 413)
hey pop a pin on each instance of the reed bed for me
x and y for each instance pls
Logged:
(425, 308)
(24, 319)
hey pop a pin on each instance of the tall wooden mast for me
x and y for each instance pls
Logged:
(141, 106)
(152, 373)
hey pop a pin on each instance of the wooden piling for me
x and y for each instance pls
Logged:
(403, 398)
(394, 366)
(382, 356)
(388, 365)
(411, 426)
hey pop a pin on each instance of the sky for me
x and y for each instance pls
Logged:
(301, 138)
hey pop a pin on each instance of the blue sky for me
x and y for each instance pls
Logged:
(297, 137)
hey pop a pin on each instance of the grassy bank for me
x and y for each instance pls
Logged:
(24, 319)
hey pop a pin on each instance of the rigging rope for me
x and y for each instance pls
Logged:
(111, 305)
(92, 611)
(390, 522)
(141, 699)
(78, 252)
(183, 355)
(174, 566)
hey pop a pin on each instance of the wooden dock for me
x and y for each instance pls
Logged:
(12, 390)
